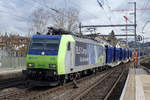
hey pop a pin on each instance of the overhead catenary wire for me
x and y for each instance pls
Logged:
(8, 13)
(84, 10)
(144, 6)
(93, 13)
(103, 9)
(15, 15)
(52, 10)
(109, 7)
(109, 18)
(147, 4)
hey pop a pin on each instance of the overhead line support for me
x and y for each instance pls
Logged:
(118, 25)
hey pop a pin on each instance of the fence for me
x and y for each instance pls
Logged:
(12, 63)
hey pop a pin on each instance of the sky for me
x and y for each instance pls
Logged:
(15, 14)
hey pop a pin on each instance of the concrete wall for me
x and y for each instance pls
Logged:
(11, 67)
(12, 62)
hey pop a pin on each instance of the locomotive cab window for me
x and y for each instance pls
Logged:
(44, 44)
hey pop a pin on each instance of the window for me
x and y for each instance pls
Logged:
(44, 44)
(68, 46)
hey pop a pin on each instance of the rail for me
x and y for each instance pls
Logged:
(111, 90)
(63, 92)
(97, 90)
(10, 83)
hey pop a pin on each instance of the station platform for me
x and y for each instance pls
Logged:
(6, 74)
(137, 86)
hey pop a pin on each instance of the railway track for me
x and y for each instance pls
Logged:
(61, 92)
(102, 89)
(147, 69)
(146, 64)
(66, 92)
(11, 93)
(10, 83)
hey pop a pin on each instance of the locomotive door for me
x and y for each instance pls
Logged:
(69, 56)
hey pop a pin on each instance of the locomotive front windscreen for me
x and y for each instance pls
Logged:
(44, 44)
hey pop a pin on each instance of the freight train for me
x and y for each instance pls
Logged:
(53, 59)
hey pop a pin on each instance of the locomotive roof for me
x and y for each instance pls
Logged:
(46, 36)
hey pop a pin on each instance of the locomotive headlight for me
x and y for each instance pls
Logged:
(30, 64)
(43, 53)
(52, 65)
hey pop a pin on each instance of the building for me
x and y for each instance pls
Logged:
(13, 45)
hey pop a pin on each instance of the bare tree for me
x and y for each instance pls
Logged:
(67, 19)
(39, 21)
(73, 19)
